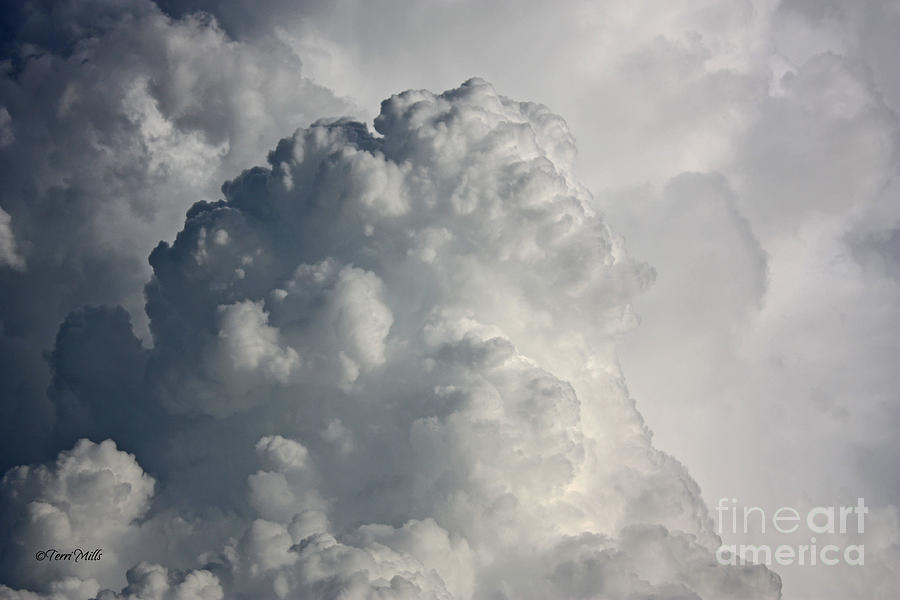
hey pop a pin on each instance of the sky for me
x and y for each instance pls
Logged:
(447, 299)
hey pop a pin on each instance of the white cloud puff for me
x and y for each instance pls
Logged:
(68, 588)
(87, 499)
(245, 355)
(153, 582)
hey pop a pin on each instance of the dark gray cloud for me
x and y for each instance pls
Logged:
(113, 120)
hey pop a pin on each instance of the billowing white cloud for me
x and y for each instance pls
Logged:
(417, 329)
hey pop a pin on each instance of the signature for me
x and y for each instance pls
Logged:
(51, 554)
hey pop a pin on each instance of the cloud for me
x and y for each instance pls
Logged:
(9, 257)
(114, 119)
(68, 588)
(88, 498)
(387, 362)
(649, 93)
(770, 318)
(7, 135)
(153, 582)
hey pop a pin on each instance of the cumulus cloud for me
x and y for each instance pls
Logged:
(391, 356)
(92, 492)
(153, 582)
(114, 119)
